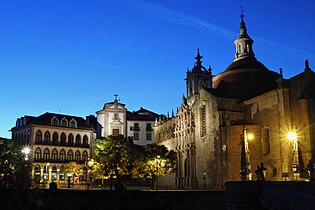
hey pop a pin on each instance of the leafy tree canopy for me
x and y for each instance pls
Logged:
(113, 156)
(156, 160)
(13, 167)
(74, 169)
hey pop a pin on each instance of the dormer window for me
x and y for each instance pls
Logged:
(64, 122)
(54, 121)
(73, 123)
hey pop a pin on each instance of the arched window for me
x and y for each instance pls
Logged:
(55, 121)
(77, 156)
(84, 155)
(38, 137)
(62, 155)
(55, 138)
(63, 139)
(54, 154)
(38, 154)
(64, 122)
(70, 139)
(46, 154)
(78, 139)
(47, 137)
(85, 140)
(70, 155)
(73, 123)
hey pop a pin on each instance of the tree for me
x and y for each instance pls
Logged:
(14, 170)
(112, 158)
(74, 169)
(156, 160)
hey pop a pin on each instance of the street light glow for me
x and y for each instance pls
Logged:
(250, 136)
(292, 136)
(26, 150)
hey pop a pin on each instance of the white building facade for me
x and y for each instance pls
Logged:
(140, 126)
(114, 120)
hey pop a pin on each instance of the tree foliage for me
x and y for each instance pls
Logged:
(14, 170)
(74, 169)
(112, 157)
(156, 160)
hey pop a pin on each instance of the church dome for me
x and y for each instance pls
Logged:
(245, 77)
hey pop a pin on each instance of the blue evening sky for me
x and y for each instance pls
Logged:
(72, 56)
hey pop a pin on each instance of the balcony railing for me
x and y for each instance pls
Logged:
(58, 160)
(63, 144)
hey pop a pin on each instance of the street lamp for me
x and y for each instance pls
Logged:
(245, 158)
(157, 159)
(26, 151)
(292, 136)
(204, 178)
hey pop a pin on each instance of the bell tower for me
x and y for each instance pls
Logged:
(197, 78)
(243, 43)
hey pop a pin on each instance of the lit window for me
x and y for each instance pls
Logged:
(46, 154)
(62, 155)
(84, 155)
(70, 155)
(77, 156)
(54, 155)
(38, 154)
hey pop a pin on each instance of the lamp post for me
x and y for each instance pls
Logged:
(157, 159)
(26, 151)
(86, 173)
(245, 158)
(292, 136)
(26, 175)
(204, 178)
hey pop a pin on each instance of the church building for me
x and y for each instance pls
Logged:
(240, 122)
(114, 119)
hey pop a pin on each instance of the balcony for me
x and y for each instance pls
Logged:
(62, 144)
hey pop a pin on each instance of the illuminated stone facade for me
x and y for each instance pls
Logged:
(210, 130)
